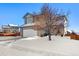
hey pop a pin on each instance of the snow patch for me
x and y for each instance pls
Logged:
(30, 24)
(31, 38)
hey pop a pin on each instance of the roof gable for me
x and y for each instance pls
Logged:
(27, 15)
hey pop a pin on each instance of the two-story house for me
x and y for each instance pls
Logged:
(34, 25)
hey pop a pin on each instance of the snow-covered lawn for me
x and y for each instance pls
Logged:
(41, 46)
(7, 51)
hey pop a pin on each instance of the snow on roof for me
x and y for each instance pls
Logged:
(29, 24)
(13, 25)
(69, 31)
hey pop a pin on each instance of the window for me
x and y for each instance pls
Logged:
(29, 20)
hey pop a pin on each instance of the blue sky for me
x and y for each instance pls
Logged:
(11, 13)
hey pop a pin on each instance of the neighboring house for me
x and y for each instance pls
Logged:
(35, 25)
(0, 30)
(10, 28)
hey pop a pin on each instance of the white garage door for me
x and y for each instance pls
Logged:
(29, 33)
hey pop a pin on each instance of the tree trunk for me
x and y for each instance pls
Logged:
(49, 34)
(49, 37)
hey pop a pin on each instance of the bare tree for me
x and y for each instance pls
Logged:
(47, 12)
(51, 18)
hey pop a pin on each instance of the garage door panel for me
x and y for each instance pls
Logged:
(29, 33)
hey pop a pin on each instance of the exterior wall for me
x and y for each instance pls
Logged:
(65, 25)
(6, 30)
(40, 32)
(56, 30)
(65, 30)
(40, 20)
(40, 24)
